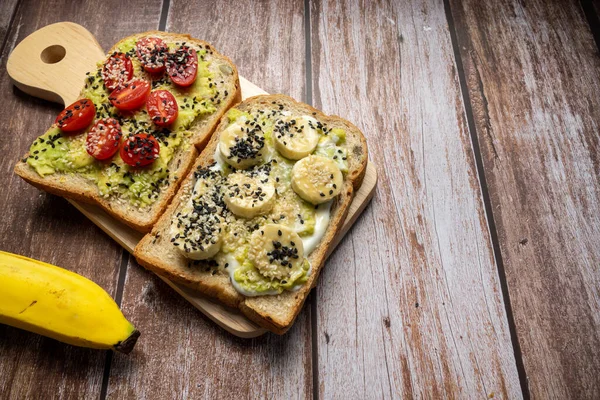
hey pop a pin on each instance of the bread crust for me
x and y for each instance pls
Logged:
(77, 188)
(275, 313)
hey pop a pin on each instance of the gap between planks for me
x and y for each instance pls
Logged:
(313, 294)
(591, 11)
(486, 201)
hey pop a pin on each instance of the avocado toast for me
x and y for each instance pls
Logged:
(253, 220)
(159, 96)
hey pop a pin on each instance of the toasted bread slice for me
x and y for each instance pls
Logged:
(274, 312)
(77, 187)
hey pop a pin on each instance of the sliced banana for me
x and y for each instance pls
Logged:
(295, 137)
(316, 179)
(243, 145)
(197, 235)
(249, 196)
(276, 251)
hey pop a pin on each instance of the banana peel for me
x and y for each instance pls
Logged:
(60, 304)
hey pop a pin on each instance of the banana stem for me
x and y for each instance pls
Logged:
(126, 345)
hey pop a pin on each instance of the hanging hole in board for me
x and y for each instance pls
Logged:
(53, 54)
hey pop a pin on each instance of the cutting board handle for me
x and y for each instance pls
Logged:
(51, 63)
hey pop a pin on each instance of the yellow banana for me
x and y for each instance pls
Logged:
(60, 304)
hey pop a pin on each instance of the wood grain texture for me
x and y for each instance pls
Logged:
(533, 74)
(47, 227)
(265, 39)
(198, 359)
(410, 303)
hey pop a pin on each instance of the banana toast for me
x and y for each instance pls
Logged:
(253, 220)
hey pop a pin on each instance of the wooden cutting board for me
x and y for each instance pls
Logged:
(51, 63)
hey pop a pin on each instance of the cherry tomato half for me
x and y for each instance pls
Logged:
(183, 66)
(131, 95)
(103, 139)
(76, 116)
(117, 70)
(140, 150)
(152, 52)
(162, 107)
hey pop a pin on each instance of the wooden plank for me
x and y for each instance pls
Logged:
(47, 227)
(533, 74)
(181, 353)
(265, 39)
(410, 304)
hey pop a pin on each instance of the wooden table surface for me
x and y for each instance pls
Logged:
(474, 272)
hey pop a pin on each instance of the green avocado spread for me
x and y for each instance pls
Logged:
(249, 278)
(56, 152)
